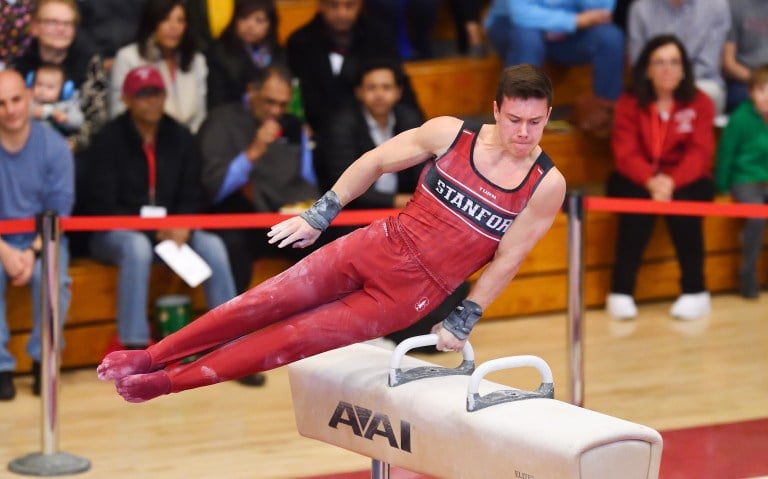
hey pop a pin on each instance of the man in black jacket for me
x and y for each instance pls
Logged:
(376, 116)
(145, 163)
(326, 53)
(252, 162)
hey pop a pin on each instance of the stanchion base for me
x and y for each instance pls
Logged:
(58, 464)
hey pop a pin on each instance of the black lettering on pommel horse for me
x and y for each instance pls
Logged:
(407, 412)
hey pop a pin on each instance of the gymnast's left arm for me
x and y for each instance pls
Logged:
(527, 229)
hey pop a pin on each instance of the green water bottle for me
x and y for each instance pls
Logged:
(296, 105)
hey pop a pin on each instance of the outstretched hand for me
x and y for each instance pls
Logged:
(293, 231)
(446, 341)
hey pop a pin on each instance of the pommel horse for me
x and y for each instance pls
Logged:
(433, 420)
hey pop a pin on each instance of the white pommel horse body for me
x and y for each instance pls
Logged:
(384, 405)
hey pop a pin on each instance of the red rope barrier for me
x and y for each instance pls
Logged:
(209, 221)
(684, 208)
(362, 217)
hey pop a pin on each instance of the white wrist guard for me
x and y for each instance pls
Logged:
(320, 215)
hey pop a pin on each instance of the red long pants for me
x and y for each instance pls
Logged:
(362, 286)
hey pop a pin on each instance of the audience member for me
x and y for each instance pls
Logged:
(207, 19)
(663, 145)
(36, 175)
(249, 42)
(325, 54)
(700, 25)
(571, 32)
(53, 28)
(469, 28)
(742, 169)
(15, 16)
(54, 99)
(145, 160)
(252, 158)
(355, 130)
(621, 13)
(411, 22)
(377, 116)
(746, 47)
(165, 42)
(108, 25)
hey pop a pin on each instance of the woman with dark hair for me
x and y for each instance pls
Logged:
(248, 43)
(164, 41)
(663, 144)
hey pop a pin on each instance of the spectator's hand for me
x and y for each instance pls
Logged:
(37, 112)
(268, 132)
(179, 236)
(660, 187)
(293, 231)
(59, 116)
(446, 341)
(590, 18)
(18, 265)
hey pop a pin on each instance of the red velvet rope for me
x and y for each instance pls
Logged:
(361, 217)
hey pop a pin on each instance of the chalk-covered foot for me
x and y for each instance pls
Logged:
(143, 387)
(119, 364)
(620, 306)
(691, 306)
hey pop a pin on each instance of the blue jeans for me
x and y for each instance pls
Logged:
(754, 229)
(602, 46)
(132, 252)
(22, 241)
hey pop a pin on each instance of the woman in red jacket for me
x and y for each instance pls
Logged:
(663, 144)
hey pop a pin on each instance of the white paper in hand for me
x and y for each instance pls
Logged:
(184, 261)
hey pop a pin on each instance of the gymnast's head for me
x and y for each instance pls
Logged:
(524, 82)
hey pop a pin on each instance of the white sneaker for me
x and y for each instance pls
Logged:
(691, 306)
(620, 306)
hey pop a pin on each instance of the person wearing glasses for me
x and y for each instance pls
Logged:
(663, 144)
(53, 28)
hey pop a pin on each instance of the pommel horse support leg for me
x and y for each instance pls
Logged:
(434, 420)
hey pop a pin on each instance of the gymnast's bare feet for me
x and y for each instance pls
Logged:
(120, 364)
(143, 387)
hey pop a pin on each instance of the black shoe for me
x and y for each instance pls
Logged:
(36, 378)
(253, 380)
(7, 389)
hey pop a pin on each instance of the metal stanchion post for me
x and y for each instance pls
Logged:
(49, 462)
(379, 469)
(575, 209)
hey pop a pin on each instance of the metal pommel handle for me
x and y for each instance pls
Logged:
(545, 390)
(397, 376)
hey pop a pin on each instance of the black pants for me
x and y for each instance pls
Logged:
(635, 230)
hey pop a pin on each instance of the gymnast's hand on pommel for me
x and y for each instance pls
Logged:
(293, 231)
(446, 341)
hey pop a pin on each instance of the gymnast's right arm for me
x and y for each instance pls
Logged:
(407, 149)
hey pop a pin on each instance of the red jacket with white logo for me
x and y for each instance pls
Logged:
(687, 149)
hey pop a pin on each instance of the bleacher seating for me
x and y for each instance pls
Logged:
(456, 86)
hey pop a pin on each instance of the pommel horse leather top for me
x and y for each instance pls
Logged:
(343, 397)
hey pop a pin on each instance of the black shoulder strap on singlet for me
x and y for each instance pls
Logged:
(544, 161)
(472, 125)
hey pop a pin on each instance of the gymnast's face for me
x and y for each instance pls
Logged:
(520, 123)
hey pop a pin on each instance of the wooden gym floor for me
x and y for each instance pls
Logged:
(654, 370)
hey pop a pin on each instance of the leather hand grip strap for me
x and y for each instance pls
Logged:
(462, 319)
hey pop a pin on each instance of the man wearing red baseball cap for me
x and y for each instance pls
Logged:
(144, 78)
(144, 162)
